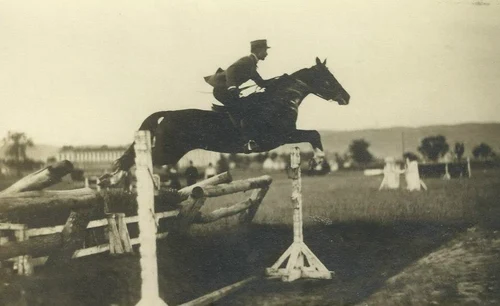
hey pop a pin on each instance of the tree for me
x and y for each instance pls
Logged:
(459, 150)
(410, 155)
(483, 151)
(434, 147)
(359, 151)
(16, 145)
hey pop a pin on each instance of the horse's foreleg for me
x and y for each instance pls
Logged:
(310, 136)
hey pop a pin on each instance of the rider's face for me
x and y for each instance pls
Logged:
(261, 54)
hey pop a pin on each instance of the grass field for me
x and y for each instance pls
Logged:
(366, 236)
(352, 197)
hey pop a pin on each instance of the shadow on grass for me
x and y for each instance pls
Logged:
(363, 256)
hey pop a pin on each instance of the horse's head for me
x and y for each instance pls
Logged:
(323, 84)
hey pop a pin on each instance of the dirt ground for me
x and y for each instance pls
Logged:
(393, 264)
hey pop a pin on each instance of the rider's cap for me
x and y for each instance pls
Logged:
(260, 43)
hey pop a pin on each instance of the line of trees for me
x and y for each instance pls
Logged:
(432, 148)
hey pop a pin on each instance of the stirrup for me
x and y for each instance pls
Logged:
(252, 146)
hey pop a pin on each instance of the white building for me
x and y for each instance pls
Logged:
(94, 160)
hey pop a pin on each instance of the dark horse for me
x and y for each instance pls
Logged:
(273, 116)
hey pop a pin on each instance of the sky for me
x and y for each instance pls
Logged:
(89, 72)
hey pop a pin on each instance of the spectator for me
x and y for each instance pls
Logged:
(391, 174)
(210, 171)
(173, 178)
(191, 174)
(413, 181)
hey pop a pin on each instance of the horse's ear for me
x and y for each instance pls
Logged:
(318, 62)
(324, 63)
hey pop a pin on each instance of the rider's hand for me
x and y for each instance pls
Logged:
(234, 92)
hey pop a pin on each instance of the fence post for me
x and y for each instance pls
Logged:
(24, 266)
(73, 236)
(123, 231)
(302, 263)
(150, 294)
(115, 245)
(97, 186)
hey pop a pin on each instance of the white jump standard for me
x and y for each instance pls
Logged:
(302, 263)
(150, 294)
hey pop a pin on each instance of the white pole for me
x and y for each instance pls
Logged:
(446, 175)
(298, 235)
(468, 167)
(150, 294)
(298, 254)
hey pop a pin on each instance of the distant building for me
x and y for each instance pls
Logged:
(94, 160)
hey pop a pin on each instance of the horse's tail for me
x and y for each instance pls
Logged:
(127, 160)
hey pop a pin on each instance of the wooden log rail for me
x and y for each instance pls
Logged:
(62, 242)
(222, 178)
(45, 240)
(45, 200)
(41, 179)
(190, 210)
(26, 195)
(234, 187)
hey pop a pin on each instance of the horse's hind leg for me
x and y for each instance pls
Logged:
(168, 145)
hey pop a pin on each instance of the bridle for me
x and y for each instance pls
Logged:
(310, 89)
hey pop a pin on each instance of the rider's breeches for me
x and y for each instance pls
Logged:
(224, 96)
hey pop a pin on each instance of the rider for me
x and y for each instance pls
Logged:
(226, 83)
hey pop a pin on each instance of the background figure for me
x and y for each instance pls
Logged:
(191, 174)
(391, 174)
(210, 171)
(173, 178)
(413, 181)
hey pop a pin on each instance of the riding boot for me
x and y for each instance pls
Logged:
(237, 125)
(249, 137)
(235, 121)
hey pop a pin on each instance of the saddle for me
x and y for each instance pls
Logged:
(259, 110)
(256, 102)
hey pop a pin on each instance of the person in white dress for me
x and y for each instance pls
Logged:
(391, 174)
(210, 171)
(412, 176)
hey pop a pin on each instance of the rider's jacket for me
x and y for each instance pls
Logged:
(238, 73)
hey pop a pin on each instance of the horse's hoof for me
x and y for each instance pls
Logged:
(251, 146)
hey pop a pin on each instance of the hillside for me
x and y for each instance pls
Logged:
(388, 141)
(383, 142)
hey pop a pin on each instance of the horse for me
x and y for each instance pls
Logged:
(175, 133)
